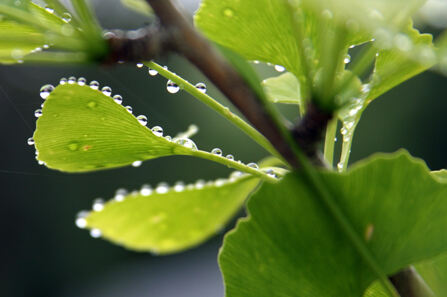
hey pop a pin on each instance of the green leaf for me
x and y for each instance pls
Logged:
(290, 244)
(258, 30)
(394, 66)
(169, 222)
(139, 6)
(17, 41)
(34, 34)
(284, 88)
(82, 129)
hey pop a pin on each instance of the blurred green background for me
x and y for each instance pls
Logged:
(44, 254)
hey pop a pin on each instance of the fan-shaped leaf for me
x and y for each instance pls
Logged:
(82, 129)
(167, 220)
(393, 203)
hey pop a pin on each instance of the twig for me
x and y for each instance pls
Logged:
(309, 132)
(410, 284)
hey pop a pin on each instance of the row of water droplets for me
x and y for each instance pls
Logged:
(147, 190)
(106, 90)
(171, 86)
(278, 68)
(350, 117)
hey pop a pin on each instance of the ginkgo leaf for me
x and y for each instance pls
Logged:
(292, 245)
(284, 88)
(169, 219)
(30, 32)
(257, 30)
(394, 66)
(139, 6)
(82, 129)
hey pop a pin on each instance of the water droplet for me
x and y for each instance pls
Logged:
(80, 221)
(256, 62)
(140, 65)
(38, 113)
(172, 87)
(162, 188)
(49, 9)
(230, 157)
(168, 138)
(179, 186)
(82, 81)
(45, 91)
(30, 141)
(152, 72)
(63, 81)
(220, 182)
(253, 165)
(95, 233)
(142, 119)
(343, 131)
(201, 87)
(137, 163)
(120, 194)
(106, 91)
(228, 12)
(94, 85)
(46, 46)
(71, 80)
(73, 146)
(199, 184)
(91, 104)
(340, 166)
(279, 68)
(347, 59)
(146, 190)
(235, 175)
(349, 125)
(118, 99)
(157, 130)
(98, 204)
(186, 142)
(270, 172)
(66, 17)
(216, 151)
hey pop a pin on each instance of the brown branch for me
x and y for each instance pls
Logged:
(410, 284)
(309, 132)
(142, 44)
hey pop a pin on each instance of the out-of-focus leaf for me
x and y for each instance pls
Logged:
(170, 219)
(393, 203)
(284, 89)
(139, 6)
(393, 66)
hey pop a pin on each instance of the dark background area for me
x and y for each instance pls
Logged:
(42, 252)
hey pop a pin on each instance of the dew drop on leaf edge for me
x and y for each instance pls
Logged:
(142, 119)
(45, 91)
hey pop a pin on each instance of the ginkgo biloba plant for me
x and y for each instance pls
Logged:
(311, 229)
